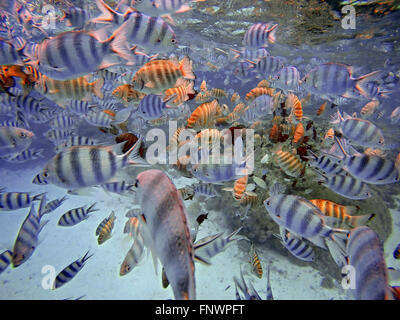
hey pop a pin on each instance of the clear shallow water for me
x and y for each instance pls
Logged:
(303, 41)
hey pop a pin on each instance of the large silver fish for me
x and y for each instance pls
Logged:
(166, 220)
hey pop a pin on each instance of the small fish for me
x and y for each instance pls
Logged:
(259, 34)
(249, 292)
(167, 71)
(84, 166)
(187, 193)
(258, 91)
(203, 86)
(250, 199)
(320, 82)
(367, 110)
(321, 109)
(10, 201)
(342, 213)
(205, 189)
(104, 229)
(76, 215)
(288, 78)
(346, 186)
(5, 260)
(28, 235)
(151, 107)
(298, 133)
(218, 93)
(70, 271)
(360, 131)
(127, 93)
(133, 256)
(289, 163)
(255, 262)
(204, 115)
(268, 66)
(119, 187)
(326, 164)
(297, 246)
(395, 115)
(293, 103)
(100, 118)
(53, 205)
(182, 93)
(14, 140)
(26, 155)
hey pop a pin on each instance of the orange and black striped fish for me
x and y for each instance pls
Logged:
(126, 93)
(321, 109)
(293, 103)
(289, 163)
(298, 133)
(104, 229)
(259, 91)
(203, 86)
(255, 262)
(235, 97)
(218, 93)
(239, 187)
(250, 199)
(263, 84)
(274, 133)
(182, 93)
(204, 115)
(342, 213)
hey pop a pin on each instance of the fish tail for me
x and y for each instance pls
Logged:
(185, 65)
(363, 80)
(133, 154)
(97, 86)
(86, 257)
(38, 196)
(90, 209)
(357, 221)
(107, 14)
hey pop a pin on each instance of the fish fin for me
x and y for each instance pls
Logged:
(185, 65)
(202, 260)
(337, 254)
(183, 8)
(169, 19)
(86, 257)
(107, 15)
(134, 156)
(357, 221)
(363, 80)
(271, 33)
(90, 209)
(97, 86)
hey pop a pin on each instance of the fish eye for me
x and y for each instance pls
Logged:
(136, 183)
(22, 134)
(380, 141)
(173, 40)
(45, 174)
(267, 203)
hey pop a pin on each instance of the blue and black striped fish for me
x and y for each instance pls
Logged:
(259, 34)
(76, 215)
(5, 260)
(10, 201)
(70, 271)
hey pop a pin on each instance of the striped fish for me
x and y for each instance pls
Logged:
(293, 103)
(182, 93)
(158, 196)
(127, 93)
(297, 246)
(365, 253)
(244, 71)
(268, 66)
(62, 122)
(204, 115)
(253, 55)
(158, 75)
(370, 169)
(255, 262)
(76, 215)
(10, 55)
(259, 34)
(300, 216)
(77, 88)
(54, 204)
(345, 185)
(71, 54)
(10, 201)
(218, 93)
(289, 163)
(326, 164)
(360, 131)
(28, 235)
(133, 256)
(79, 107)
(105, 228)
(335, 79)
(288, 78)
(258, 91)
(14, 140)
(205, 189)
(151, 107)
(76, 141)
(76, 17)
(26, 155)
(58, 136)
(250, 199)
(68, 273)
(342, 213)
(118, 187)
(298, 133)
(269, 295)
(100, 118)
(84, 166)
(5, 260)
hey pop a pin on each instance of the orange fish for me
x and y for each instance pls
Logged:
(235, 97)
(258, 91)
(127, 93)
(293, 103)
(203, 86)
(321, 109)
(218, 93)
(330, 134)
(239, 187)
(182, 93)
(298, 133)
(369, 108)
(204, 115)
(274, 133)
(263, 84)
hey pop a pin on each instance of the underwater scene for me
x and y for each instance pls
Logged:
(200, 149)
